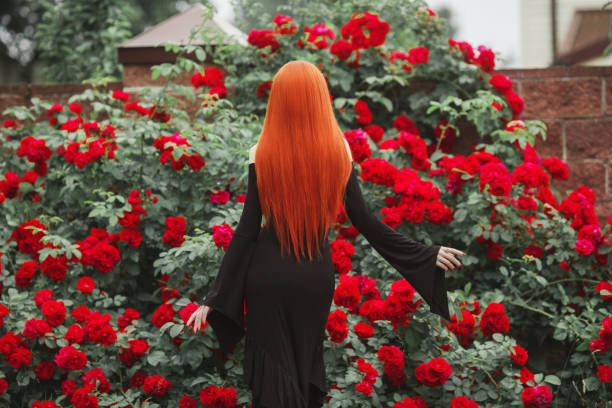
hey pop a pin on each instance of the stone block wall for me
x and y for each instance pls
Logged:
(575, 102)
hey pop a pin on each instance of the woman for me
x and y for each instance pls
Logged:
(300, 172)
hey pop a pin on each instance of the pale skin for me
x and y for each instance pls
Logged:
(445, 260)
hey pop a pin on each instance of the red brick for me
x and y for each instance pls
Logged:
(553, 145)
(608, 94)
(140, 75)
(588, 138)
(591, 174)
(549, 72)
(561, 98)
(603, 210)
(589, 70)
(14, 89)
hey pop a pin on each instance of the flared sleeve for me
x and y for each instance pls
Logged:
(415, 261)
(226, 294)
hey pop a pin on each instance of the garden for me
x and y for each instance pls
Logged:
(116, 210)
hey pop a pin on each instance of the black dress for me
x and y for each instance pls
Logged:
(287, 304)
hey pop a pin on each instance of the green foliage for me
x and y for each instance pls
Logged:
(608, 49)
(77, 40)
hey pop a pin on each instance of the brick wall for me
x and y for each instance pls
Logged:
(21, 94)
(574, 102)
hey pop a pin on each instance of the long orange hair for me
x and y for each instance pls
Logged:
(301, 160)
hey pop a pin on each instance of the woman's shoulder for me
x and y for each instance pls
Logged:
(252, 153)
(348, 149)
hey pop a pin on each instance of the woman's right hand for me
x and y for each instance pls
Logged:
(198, 317)
(446, 258)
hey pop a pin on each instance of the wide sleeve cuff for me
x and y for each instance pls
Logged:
(226, 296)
(416, 262)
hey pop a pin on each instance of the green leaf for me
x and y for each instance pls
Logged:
(498, 337)
(339, 102)
(592, 383)
(460, 214)
(200, 54)
(583, 346)
(481, 395)
(156, 358)
(176, 330)
(166, 326)
(552, 379)
(387, 102)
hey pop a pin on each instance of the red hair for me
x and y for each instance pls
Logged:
(301, 160)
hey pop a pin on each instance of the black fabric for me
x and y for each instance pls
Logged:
(287, 304)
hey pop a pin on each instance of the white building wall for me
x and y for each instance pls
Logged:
(536, 31)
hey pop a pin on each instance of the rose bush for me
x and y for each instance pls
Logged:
(127, 207)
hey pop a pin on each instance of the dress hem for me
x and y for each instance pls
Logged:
(259, 364)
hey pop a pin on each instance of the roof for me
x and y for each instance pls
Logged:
(176, 29)
(587, 37)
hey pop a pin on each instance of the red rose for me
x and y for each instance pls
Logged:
(336, 326)
(75, 334)
(536, 397)
(3, 385)
(363, 330)
(604, 373)
(418, 55)
(120, 95)
(341, 49)
(86, 284)
(375, 132)
(220, 197)
(462, 402)
(584, 247)
(494, 320)
(54, 311)
(347, 293)
(44, 370)
(156, 385)
(434, 373)
(515, 101)
(96, 377)
(27, 270)
(373, 309)
(391, 355)
(486, 59)
(19, 357)
(175, 231)
(222, 235)
(557, 168)
(69, 358)
(263, 89)
(164, 313)
(501, 83)
(36, 328)
(519, 356)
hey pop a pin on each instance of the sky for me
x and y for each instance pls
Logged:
(492, 23)
(478, 22)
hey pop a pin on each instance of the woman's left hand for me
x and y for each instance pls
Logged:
(446, 258)
(198, 317)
